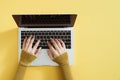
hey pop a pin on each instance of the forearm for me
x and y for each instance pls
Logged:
(20, 72)
(25, 60)
(62, 60)
(66, 72)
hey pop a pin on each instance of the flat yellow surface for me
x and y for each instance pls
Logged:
(96, 41)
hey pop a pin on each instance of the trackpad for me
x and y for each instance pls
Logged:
(43, 59)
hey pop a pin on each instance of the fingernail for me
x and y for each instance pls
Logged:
(40, 47)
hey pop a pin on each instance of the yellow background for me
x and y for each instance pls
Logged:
(96, 41)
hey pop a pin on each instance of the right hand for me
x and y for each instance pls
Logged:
(57, 49)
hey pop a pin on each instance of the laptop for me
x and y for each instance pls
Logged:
(44, 27)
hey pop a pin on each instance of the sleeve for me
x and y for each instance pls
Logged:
(25, 59)
(62, 60)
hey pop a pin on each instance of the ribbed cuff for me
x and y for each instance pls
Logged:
(26, 58)
(62, 59)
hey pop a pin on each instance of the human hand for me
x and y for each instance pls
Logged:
(29, 54)
(27, 46)
(56, 49)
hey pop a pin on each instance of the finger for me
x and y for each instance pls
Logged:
(55, 44)
(38, 52)
(58, 43)
(28, 42)
(62, 43)
(35, 46)
(50, 54)
(24, 43)
(52, 49)
(31, 42)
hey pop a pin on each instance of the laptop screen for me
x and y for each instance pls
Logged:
(45, 20)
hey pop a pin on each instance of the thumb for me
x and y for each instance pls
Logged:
(38, 52)
(50, 54)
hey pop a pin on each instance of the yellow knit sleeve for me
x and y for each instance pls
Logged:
(25, 59)
(62, 60)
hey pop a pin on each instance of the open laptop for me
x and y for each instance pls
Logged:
(44, 27)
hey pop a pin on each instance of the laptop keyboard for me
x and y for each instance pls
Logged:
(45, 36)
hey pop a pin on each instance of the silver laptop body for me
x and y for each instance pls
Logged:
(48, 29)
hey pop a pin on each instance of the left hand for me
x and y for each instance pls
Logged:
(27, 46)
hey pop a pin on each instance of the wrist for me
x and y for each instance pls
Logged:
(26, 58)
(62, 59)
